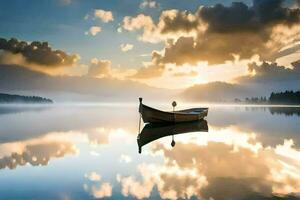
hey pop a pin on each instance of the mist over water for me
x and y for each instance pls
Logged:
(89, 151)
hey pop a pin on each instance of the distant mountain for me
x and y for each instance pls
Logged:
(228, 92)
(11, 98)
(215, 92)
(18, 79)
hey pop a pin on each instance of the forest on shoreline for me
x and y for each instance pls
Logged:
(287, 97)
(12, 98)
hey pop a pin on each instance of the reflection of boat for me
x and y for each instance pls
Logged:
(152, 115)
(153, 132)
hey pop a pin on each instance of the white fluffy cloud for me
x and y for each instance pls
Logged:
(94, 30)
(99, 68)
(103, 69)
(93, 176)
(103, 15)
(125, 158)
(104, 190)
(148, 4)
(126, 47)
(172, 24)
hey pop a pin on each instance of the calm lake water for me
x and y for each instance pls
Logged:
(91, 151)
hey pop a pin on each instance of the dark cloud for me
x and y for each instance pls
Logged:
(272, 12)
(155, 69)
(174, 21)
(39, 53)
(235, 32)
(179, 48)
(267, 72)
(239, 17)
(215, 48)
(288, 51)
(239, 30)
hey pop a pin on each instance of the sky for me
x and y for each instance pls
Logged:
(161, 43)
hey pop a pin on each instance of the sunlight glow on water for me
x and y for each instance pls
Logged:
(87, 152)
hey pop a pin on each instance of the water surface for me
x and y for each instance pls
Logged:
(91, 151)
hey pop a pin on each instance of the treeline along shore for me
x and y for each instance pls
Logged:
(287, 97)
(13, 98)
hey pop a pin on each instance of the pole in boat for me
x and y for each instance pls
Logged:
(174, 104)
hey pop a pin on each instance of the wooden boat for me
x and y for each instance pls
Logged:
(156, 131)
(152, 115)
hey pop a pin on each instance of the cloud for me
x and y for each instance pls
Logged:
(180, 74)
(226, 160)
(181, 183)
(98, 136)
(262, 14)
(101, 191)
(38, 53)
(93, 176)
(119, 30)
(104, 190)
(103, 15)
(126, 47)
(259, 175)
(219, 33)
(104, 69)
(271, 72)
(99, 68)
(34, 151)
(174, 21)
(150, 70)
(171, 25)
(148, 4)
(141, 21)
(125, 158)
(94, 30)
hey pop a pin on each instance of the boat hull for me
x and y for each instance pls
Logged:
(152, 115)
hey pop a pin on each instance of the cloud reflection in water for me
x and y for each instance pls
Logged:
(222, 164)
